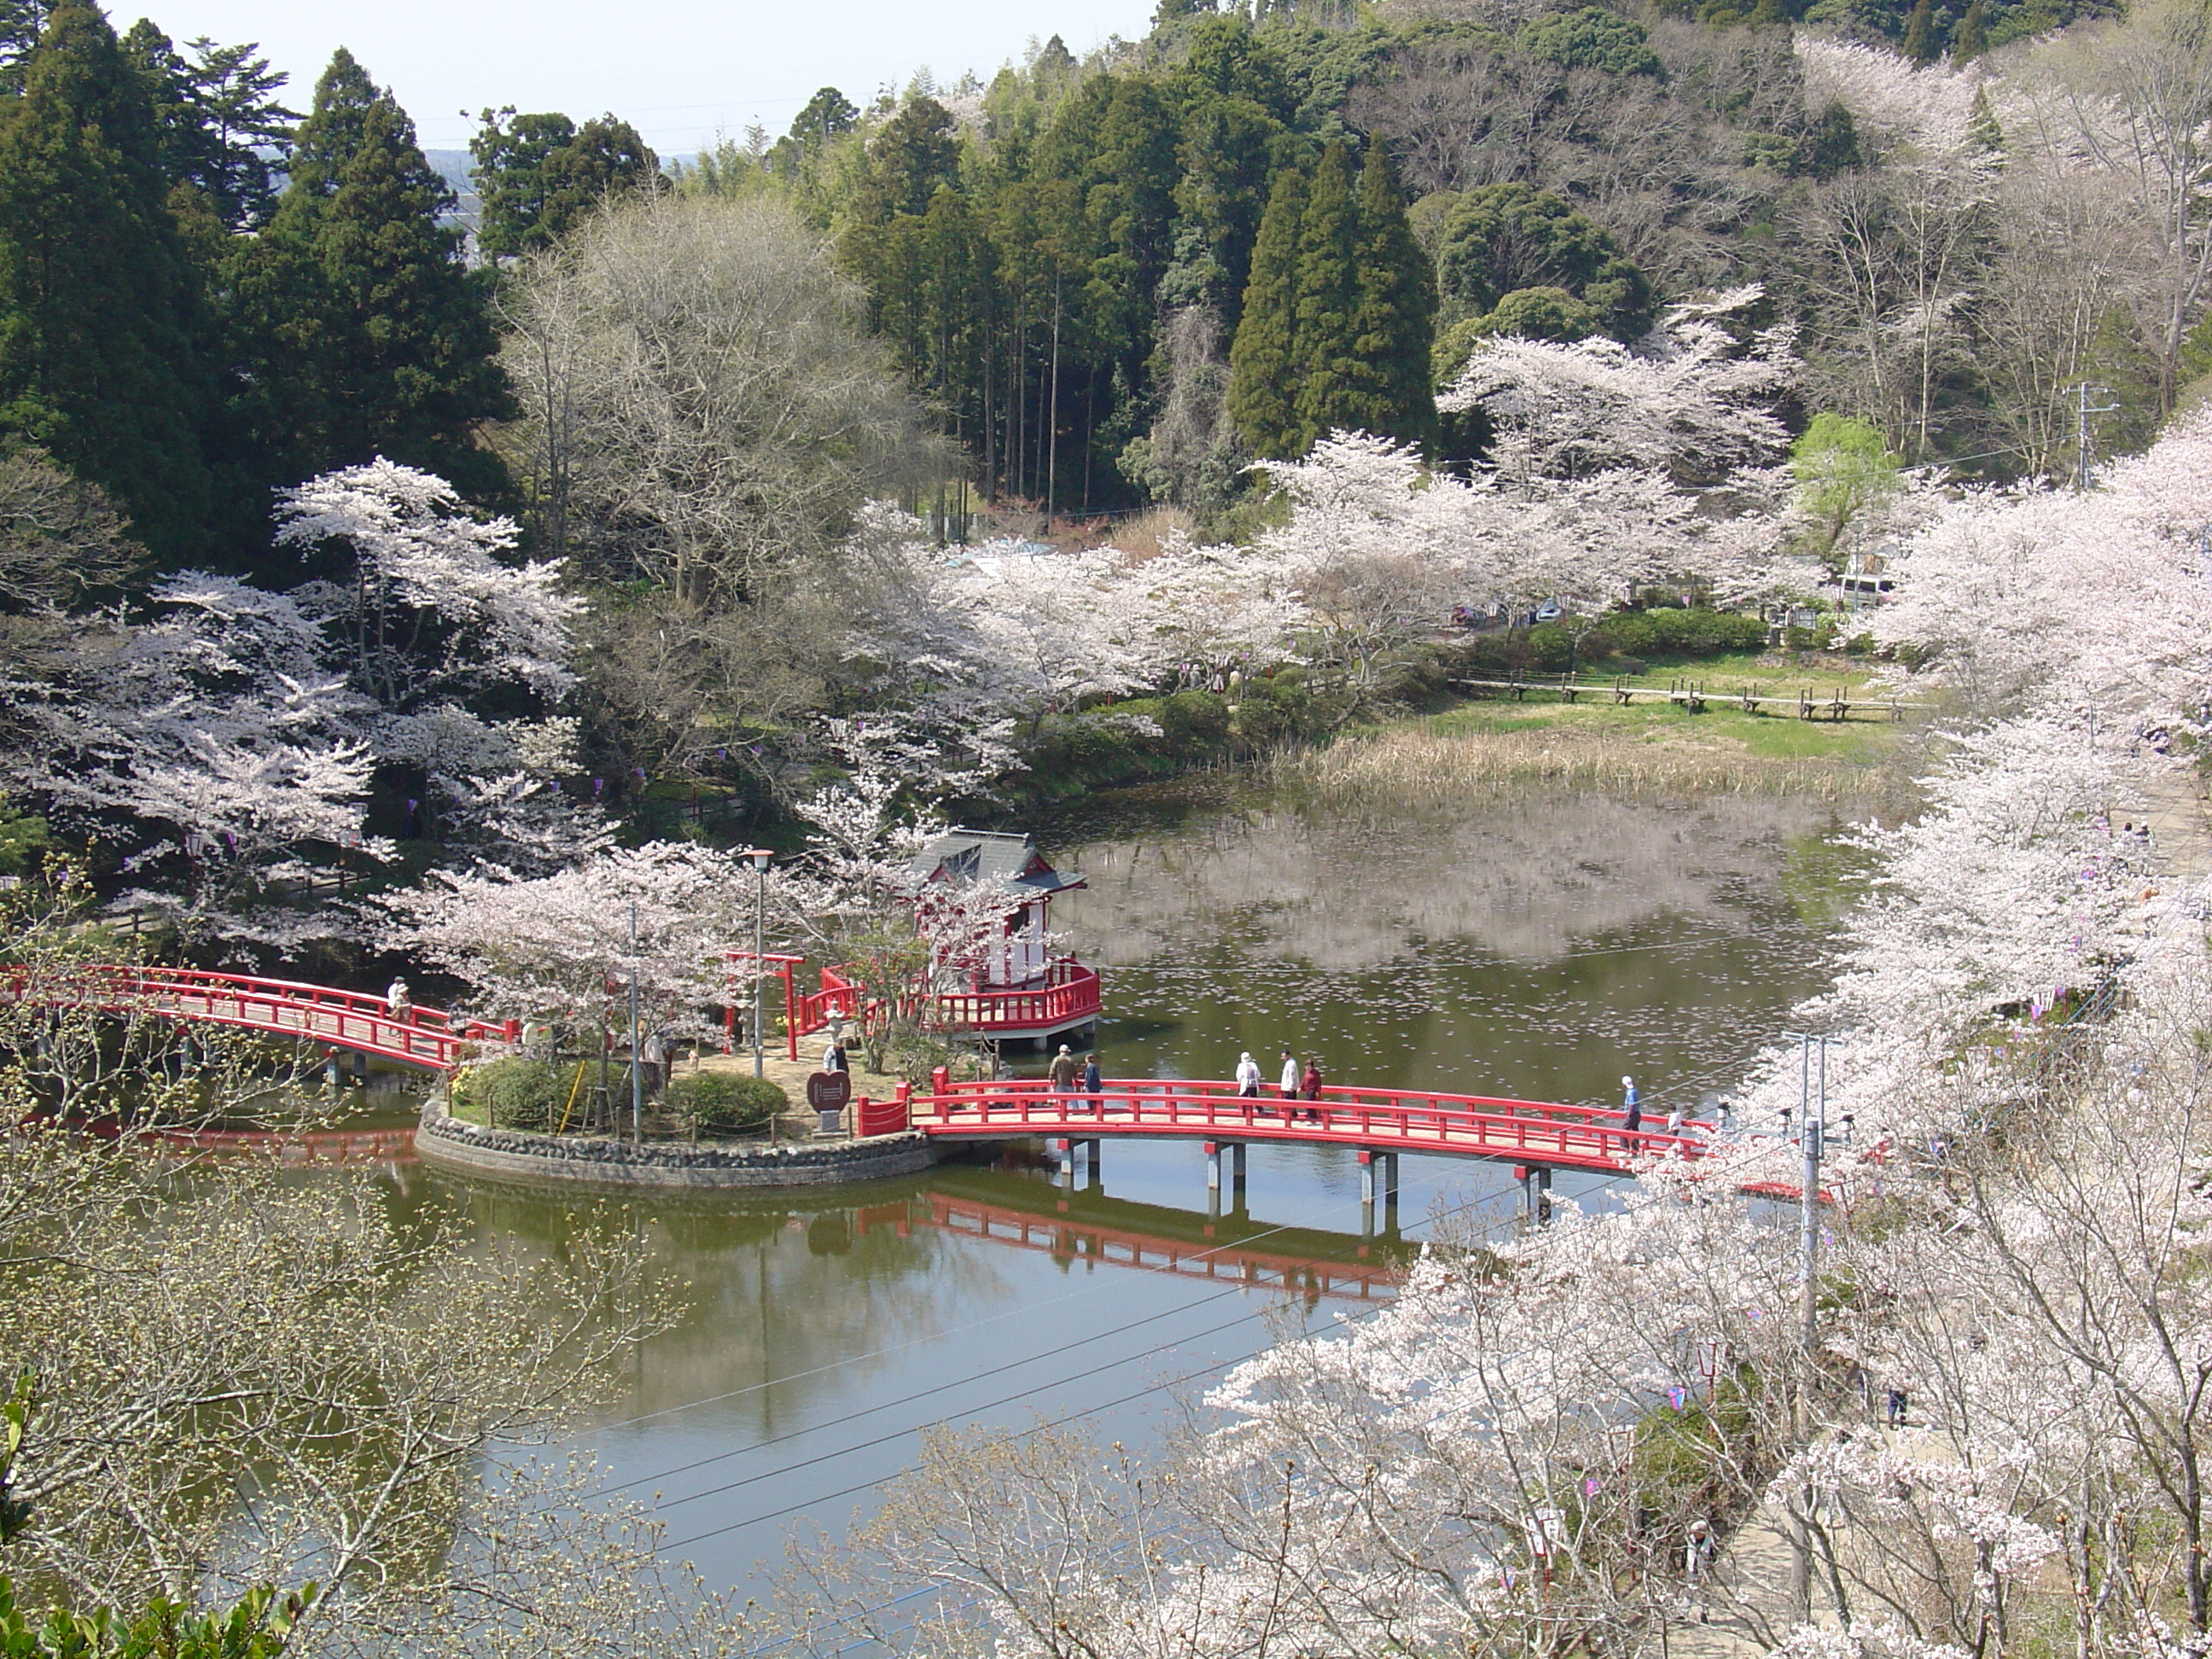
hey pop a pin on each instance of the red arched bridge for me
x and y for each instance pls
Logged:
(429, 1037)
(1377, 1124)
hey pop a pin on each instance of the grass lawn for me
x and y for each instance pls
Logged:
(1764, 673)
(1774, 732)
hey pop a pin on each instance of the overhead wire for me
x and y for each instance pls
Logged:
(754, 1387)
(1090, 1411)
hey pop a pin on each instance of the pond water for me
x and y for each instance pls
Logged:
(1539, 948)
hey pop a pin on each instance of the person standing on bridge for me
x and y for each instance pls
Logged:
(397, 1004)
(1631, 1104)
(1092, 1082)
(1289, 1081)
(1065, 1070)
(1309, 1089)
(1248, 1077)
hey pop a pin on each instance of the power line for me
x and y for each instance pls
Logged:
(900, 1434)
(1070, 1417)
(973, 1376)
(936, 1336)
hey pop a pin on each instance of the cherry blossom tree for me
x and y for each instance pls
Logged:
(213, 750)
(1378, 548)
(859, 901)
(559, 947)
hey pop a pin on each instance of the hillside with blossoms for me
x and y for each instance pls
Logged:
(506, 631)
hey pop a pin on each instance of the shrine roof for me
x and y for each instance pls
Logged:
(997, 856)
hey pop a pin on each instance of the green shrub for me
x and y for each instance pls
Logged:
(513, 1093)
(726, 1103)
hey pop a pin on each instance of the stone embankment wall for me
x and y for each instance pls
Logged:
(513, 1155)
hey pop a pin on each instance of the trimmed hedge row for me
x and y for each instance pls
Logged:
(1550, 649)
(520, 1093)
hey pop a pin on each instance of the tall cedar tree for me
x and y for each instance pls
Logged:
(1263, 358)
(100, 306)
(1393, 325)
(359, 330)
(1328, 293)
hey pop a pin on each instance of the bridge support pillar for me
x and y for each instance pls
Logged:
(1536, 1194)
(1366, 1193)
(1063, 1152)
(1390, 1161)
(1213, 1152)
(1093, 1176)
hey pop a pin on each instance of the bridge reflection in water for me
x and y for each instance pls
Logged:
(1086, 1227)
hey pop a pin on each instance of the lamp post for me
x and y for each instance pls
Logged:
(759, 857)
(637, 1072)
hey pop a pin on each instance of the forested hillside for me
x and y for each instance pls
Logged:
(1367, 316)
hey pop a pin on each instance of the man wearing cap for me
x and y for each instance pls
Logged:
(1065, 1069)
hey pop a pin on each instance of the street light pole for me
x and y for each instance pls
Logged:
(759, 856)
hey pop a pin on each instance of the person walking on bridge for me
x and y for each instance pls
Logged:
(1248, 1077)
(1289, 1080)
(1632, 1105)
(1309, 1089)
(1065, 1069)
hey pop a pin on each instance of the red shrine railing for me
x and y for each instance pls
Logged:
(1592, 1137)
(429, 1037)
(1068, 995)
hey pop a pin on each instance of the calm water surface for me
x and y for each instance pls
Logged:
(1542, 948)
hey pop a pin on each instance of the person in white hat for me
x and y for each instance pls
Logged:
(1248, 1077)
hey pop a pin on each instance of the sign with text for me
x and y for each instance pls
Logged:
(828, 1092)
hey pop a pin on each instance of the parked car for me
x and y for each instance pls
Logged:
(1549, 612)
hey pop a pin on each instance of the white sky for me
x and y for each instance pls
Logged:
(678, 70)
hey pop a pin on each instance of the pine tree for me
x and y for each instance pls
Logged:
(101, 308)
(1393, 325)
(1973, 38)
(358, 330)
(1921, 44)
(1263, 358)
(1323, 363)
(538, 175)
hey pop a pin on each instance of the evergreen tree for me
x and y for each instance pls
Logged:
(219, 121)
(1263, 357)
(1973, 35)
(537, 175)
(1393, 325)
(21, 21)
(357, 329)
(1322, 361)
(100, 306)
(1922, 43)
(914, 153)
(828, 114)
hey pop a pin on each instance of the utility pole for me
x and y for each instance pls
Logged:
(636, 1073)
(2082, 411)
(1813, 1119)
(758, 858)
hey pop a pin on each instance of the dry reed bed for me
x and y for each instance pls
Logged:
(1415, 766)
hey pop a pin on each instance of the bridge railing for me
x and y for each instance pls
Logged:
(350, 1019)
